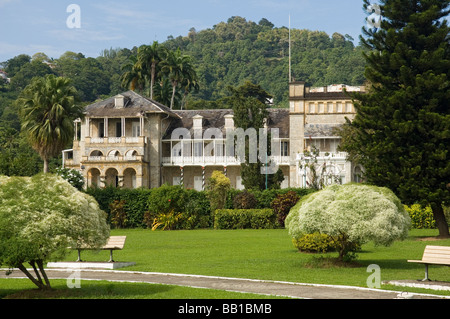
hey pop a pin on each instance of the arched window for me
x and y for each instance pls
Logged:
(129, 178)
(93, 178)
(112, 177)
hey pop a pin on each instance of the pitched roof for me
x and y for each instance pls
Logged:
(134, 106)
(278, 118)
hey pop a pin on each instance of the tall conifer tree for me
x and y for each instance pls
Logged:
(401, 133)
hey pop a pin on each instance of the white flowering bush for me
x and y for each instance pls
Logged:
(351, 214)
(74, 177)
(43, 215)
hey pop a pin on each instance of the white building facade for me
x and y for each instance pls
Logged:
(131, 141)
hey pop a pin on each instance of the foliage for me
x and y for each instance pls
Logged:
(48, 107)
(421, 217)
(118, 215)
(142, 205)
(168, 221)
(244, 200)
(265, 197)
(73, 176)
(167, 198)
(314, 243)
(401, 131)
(218, 187)
(282, 204)
(318, 175)
(351, 214)
(40, 217)
(249, 104)
(244, 218)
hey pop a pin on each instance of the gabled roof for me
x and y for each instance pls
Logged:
(134, 106)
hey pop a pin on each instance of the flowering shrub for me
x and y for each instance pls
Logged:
(41, 216)
(351, 214)
(74, 177)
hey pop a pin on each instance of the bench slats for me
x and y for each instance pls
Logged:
(437, 255)
(115, 242)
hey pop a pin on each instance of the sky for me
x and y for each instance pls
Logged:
(54, 27)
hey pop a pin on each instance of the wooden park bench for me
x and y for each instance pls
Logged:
(114, 243)
(434, 255)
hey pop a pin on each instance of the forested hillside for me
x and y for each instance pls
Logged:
(228, 54)
(238, 50)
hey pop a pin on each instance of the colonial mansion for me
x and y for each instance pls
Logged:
(131, 141)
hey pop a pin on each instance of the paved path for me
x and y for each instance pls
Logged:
(295, 290)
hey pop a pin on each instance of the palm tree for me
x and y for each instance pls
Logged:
(48, 106)
(177, 67)
(148, 59)
(189, 83)
(133, 77)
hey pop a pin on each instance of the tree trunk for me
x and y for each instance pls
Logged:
(174, 86)
(41, 268)
(45, 165)
(38, 283)
(152, 80)
(441, 222)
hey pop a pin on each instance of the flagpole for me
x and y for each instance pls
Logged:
(290, 79)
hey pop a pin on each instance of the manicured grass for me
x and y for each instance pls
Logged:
(24, 289)
(256, 254)
(265, 254)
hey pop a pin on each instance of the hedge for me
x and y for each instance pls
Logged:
(194, 205)
(245, 218)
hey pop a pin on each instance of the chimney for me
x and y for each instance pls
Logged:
(119, 101)
(198, 126)
(229, 121)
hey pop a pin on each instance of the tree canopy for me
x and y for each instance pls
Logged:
(40, 217)
(350, 213)
(401, 132)
(230, 53)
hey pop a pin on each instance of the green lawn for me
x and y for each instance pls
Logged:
(264, 254)
(25, 289)
(257, 254)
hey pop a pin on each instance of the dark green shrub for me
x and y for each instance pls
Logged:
(167, 198)
(244, 200)
(197, 210)
(244, 218)
(282, 204)
(118, 215)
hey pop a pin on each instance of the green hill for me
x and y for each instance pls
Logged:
(238, 50)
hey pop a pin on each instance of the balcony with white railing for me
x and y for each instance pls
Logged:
(215, 160)
(108, 159)
(139, 140)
